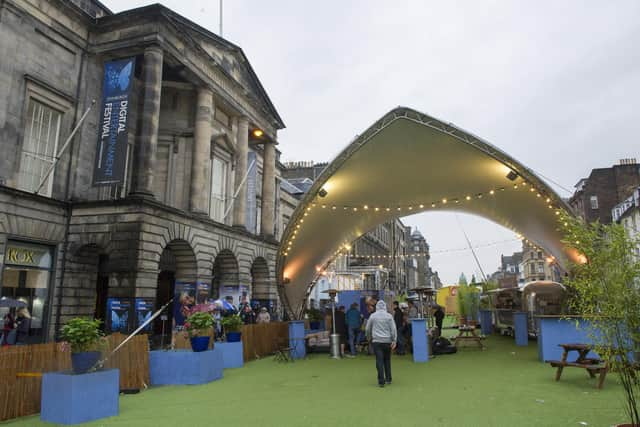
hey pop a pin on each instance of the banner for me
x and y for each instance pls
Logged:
(144, 311)
(185, 298)
(113, 129)
(119, 316)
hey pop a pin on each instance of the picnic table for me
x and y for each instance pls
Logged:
(468, 333)
(592, 365)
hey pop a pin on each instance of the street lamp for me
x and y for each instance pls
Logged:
(334, 338)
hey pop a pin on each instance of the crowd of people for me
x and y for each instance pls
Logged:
(351, 325)
(383, 332)
(15, 328)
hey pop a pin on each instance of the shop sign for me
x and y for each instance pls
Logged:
(28, 255)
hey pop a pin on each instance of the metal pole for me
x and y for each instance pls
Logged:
(233, 199)
(64, 147)
(220, 18)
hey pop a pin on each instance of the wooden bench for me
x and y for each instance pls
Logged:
(592, 366)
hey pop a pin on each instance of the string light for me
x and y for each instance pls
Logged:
(444, 201)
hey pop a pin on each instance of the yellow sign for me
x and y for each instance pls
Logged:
(27, 255)
(20, 256)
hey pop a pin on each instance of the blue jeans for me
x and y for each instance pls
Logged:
(354, 333)
(383, 361)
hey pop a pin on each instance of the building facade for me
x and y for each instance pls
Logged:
(536, 265)
(197, 206)
(627, 213)
(596, 196)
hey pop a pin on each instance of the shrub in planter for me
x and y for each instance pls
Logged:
(232, 327)
(198, 326)
(85, 340)
(315, 318)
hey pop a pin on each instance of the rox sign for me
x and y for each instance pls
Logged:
(24, 256)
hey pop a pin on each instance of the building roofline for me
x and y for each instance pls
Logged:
(161, 10)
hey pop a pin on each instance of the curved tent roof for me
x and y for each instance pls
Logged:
(409, 162)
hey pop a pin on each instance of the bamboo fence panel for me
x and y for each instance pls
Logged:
(263, 339)
(20, 396)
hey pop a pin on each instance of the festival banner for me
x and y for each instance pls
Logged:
(119, 316)
(113, 129)
(144, 311)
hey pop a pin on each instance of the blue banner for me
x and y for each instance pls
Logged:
(144, 311)
(113, 129)
(119, 316)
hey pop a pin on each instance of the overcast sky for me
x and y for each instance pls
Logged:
(554, 84)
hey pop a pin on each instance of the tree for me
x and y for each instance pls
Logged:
(473, 279)
(462, 280)
(605, 284)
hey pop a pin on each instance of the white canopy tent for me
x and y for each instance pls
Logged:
(409, 162)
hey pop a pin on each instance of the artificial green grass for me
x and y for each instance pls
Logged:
(504, 385)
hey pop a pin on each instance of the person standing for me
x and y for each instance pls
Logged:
(263, 316)
(353, 326)
(439, 315)
(23, 319)
(381, 331)
(398, 319)
(413, 310)
(341, 328)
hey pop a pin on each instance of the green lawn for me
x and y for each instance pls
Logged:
(502, 386)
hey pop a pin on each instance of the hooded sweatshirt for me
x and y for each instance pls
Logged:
(380, 327)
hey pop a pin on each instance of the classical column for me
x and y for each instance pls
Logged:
(240, 203)
(268, 190)
(199, 198)
(148, 142)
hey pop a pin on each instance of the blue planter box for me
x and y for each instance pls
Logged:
(73, 399)
(554, 331)
(185, 366)
(232, 354)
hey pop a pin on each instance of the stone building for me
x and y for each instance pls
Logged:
(627, 213)
(420, 251)
(536, 265)
(198, 127)
(597, 195)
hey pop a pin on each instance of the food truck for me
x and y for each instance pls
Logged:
(542, 297)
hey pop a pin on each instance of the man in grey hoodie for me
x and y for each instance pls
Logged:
(381, 331)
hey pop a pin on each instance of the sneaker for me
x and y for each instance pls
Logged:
(351, 356)
(381, 385)
(389, 382)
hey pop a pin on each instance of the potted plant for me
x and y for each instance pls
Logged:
(603, 287)
(198, 326)
(468, 304)
(232, 326)
(85, 340)
(315, 318)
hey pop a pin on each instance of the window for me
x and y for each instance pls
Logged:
(25, 277)
(42, 130)
(594, 202)
(217, 204)
(540, 267)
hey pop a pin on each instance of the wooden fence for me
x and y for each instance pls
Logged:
(258, 340)
(263, 339)
(20, 396)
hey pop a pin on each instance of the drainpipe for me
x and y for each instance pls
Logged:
(68, 206)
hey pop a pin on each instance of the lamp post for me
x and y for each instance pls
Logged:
(334, 338)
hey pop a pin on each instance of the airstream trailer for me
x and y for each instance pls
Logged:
(542, 297)
(536, 298)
